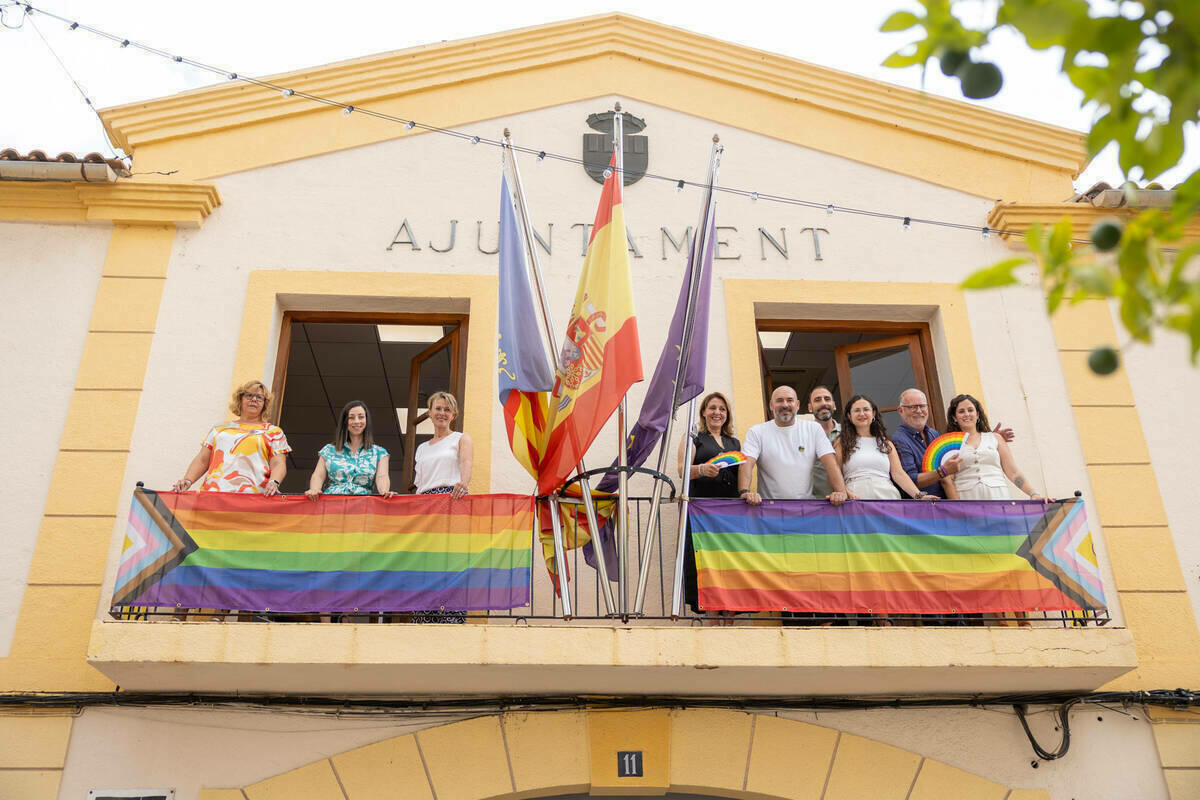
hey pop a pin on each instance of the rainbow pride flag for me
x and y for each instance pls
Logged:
(895, 556)
(339, 554)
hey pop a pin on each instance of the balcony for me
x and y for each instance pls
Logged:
(330, 647)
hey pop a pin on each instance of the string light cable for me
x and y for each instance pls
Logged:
(78, 87)
(349, 109)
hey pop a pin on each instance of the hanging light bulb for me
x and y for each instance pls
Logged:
(73, 26)
(232, 76)
(125, 43)
(607, 173)
(287, 92)
(829, 209)
(907, 223)
(541, 156)
(474, 140)
(347, 111)
(986, 232)
(679, 186)
(754, 197)
(410, 124)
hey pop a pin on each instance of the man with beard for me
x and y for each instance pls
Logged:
(785, 450)
(822, 407)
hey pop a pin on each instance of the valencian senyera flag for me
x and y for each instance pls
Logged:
(522, 367)
(601, 357)
(339, 554)
(661, 397)
(895, 556)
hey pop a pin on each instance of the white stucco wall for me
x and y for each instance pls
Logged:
(195, 748)
(49, 275)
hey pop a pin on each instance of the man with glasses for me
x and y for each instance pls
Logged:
(914, 435)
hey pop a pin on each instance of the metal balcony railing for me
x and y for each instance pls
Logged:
(589, 608)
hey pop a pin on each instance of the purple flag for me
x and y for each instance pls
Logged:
(657, 406)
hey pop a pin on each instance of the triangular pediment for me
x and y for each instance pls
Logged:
(238, 126)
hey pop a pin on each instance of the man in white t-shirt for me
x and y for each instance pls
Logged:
(785, 451)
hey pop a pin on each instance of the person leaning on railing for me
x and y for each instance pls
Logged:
(443, 466)
(868, 458)
(714, 436)
(246, 456)
(352, 463)
(985, 461)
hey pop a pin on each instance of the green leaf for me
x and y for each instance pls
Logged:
(899, 60)
(1094, 280)
(995, 276)
(900, 21)
(1059, 247)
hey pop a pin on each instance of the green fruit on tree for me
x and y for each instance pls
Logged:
(980, 80)
(1106, 234)
(1103, 360)
(952, 61)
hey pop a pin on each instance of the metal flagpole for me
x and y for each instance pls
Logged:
(688, 450)
(700, 246)
(622, 419)
(548, 326)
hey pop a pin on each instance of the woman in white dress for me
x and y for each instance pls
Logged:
(986, 460)
(443, 466)
(868, 458)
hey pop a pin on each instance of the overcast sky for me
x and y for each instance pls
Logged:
(40, 109)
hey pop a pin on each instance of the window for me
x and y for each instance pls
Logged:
(391, 362)
(878, 359)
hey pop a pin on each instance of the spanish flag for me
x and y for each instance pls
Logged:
(601, 357)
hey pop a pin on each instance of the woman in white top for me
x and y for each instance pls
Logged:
(868, 457)
(443, 464)
(985, 458)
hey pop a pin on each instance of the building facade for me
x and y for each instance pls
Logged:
(338, 256)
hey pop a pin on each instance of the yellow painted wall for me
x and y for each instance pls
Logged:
(838, 300)
(1145, 565)
(235, 128)
(49, 648)
(725, 753)
(272, 291)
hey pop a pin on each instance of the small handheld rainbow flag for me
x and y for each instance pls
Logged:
(730, 458)
(939, 448)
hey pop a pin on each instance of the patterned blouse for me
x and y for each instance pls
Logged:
(351, 473)
(241, 456)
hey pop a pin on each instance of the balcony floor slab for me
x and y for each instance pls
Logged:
(313, 658)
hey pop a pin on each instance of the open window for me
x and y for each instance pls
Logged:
(391, 362)
(878, 359)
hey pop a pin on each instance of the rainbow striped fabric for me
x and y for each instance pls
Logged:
(340, 554)
(895, 556)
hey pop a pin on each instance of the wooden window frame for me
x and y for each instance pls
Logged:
(458, 359)
(924, 348)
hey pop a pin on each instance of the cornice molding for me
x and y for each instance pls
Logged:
(1012, 220)
(129, 202)
(391, 75)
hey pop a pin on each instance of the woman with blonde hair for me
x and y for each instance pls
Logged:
(247, 455)
(443, 464)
